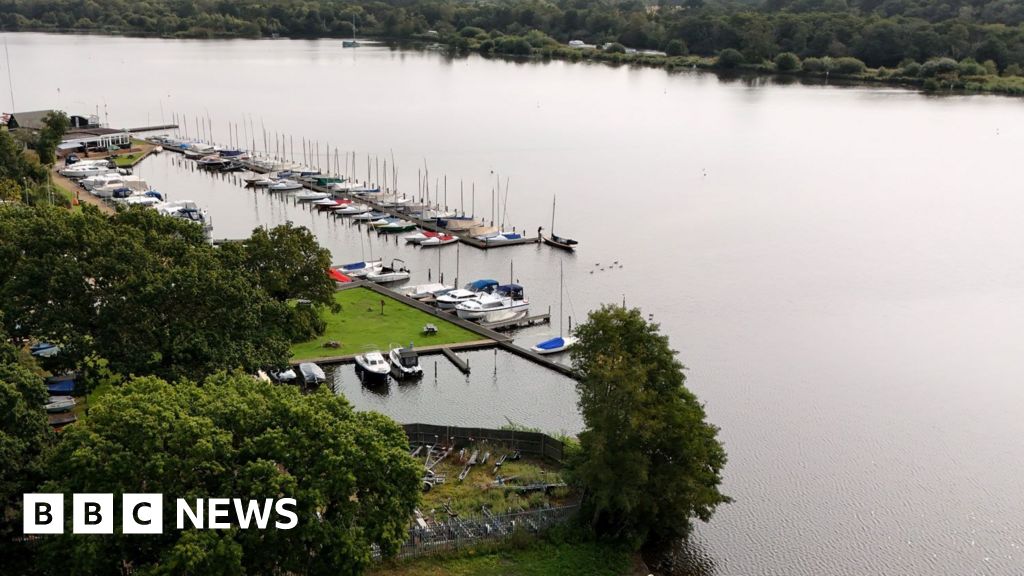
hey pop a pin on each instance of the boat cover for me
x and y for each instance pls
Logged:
(481, 285)
(552, 344)
(337, 276)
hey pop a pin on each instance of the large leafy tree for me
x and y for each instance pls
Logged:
(649, 460)
(350, 473)
(142, 290)
(24, 437)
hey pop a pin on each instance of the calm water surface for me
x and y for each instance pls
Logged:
(840, 268)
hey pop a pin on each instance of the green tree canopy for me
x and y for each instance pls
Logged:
(649, 460)
(142, 290)
(350, 473)
(24, 437)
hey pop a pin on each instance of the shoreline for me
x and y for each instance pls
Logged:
(945, 85)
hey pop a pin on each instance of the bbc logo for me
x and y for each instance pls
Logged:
(143, 513)
(93, 514)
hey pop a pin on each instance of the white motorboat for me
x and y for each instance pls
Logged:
(405, 363)
(439, 240)
(372, 365)
(98, 180)
(422, 291)
(506, 303)
(360, 269)
(452, 298)
(311, 373)
(284, 185)
(388, 274)
(310, 195)
(140, 200)
(77, 171)
(186, 210)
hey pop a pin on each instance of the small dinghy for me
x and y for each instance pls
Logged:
(285, 185)
(405, 363)
(372, 366)
(419, 237)
(554, 345)
(396, 226)
(439, 240)
(360, 269)
(310, 195)
(63, 405)
(311, 373)
(284, 376)
(387, 274)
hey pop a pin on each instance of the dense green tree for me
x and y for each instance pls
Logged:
(287, 262)
(54, 125)
(676, 47)
(787, 62)
(730, 58)
(649, 462)
(350, 473)
(140, 289)
(24, 438)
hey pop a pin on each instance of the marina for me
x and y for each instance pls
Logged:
(846, 314)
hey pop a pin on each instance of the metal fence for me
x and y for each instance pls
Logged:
(437, 537)
(529, 443)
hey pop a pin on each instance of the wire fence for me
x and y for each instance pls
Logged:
(426, 538)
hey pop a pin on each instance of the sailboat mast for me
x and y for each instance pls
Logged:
(561, 296)
(553, 198)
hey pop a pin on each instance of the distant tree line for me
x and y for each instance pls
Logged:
(876, 32)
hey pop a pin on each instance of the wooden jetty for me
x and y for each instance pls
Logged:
(459, 363)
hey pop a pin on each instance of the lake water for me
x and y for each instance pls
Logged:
(840, 268)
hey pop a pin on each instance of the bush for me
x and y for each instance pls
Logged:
(970, 67)
(1012, 70)
(848, 65)
(930, 85)
(910, 69)
(787, 62)
(990, 68)
(813, 65)
(937, 66)
(615, 48)
(487, 46)
(676, 48)
(730, 58)
(513, 45)
(472, 32)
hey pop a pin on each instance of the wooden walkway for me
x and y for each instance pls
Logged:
(422, 350)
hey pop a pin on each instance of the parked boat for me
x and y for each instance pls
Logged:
(365, 190)
(186, 210)
(388, 274)
(352, 210)
(396, 225)
(79, 171)
(63, 419)
(439, 240)
(419, 236)
(44, 350)
(500, 237)
(506, 303)
(284, 376)
(422, 291)
(312, 374)
(405, 363)
(369, 216)
(372, 366)
(310, 195)
(560, 343)
(211, 162)
(472, 290)
(360, 269)
(61, 385)
(553, 239)
(67, 403)
(284, 185)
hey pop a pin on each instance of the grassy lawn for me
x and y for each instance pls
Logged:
(542, 559)
(360, 324)
(127, 160)
(467, 497)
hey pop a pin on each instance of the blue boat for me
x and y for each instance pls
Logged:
(61, 385)
(485, 285)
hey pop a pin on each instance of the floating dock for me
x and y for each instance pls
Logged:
(518, 322)
(459, 363)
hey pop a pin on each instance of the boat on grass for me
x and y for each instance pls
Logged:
(62, 404)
